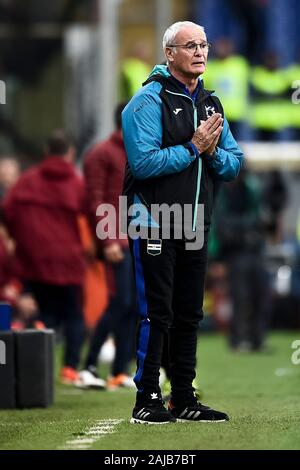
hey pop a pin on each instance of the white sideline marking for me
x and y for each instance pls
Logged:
(81, 441)
(94, 433)
(282, 371)
(99, 432)
(78, 447)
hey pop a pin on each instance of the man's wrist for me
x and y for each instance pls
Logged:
(191, 147)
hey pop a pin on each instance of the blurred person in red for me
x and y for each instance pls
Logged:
(42, 212)
(24, 307)
(9, 173)
(104, 169)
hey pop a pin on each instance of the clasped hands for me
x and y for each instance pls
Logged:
(207, 134)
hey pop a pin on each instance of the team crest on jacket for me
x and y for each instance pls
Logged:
(209, 110)
(154, 247)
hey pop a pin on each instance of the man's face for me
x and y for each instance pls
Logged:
(190, 63)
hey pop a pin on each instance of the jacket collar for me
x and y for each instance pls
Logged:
(172, 84)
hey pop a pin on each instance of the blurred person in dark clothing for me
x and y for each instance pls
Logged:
(42, 212)
(275, 200)
(251, 14)
(104, 169)
(241, 240)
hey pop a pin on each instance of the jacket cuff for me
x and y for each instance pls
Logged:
(209, 157)
(194, 152)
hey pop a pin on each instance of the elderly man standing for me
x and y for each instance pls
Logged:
(179, 146)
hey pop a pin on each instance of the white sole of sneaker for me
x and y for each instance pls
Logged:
(74, 384)
(178, 420)
(95, 387)
(140, 421)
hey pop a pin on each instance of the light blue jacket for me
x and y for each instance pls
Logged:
(142, 131)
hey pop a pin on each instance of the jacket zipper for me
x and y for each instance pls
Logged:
(199, 170)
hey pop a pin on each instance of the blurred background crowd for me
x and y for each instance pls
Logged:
(68, 64)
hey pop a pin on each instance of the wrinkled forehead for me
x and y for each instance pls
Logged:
(190, 34)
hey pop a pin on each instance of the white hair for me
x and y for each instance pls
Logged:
(171, 32)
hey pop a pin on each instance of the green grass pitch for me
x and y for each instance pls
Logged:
(260, 392)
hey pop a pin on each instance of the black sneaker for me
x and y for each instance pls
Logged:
(197, 412)
(151, 411)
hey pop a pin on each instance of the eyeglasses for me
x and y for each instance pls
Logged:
(192, 47)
